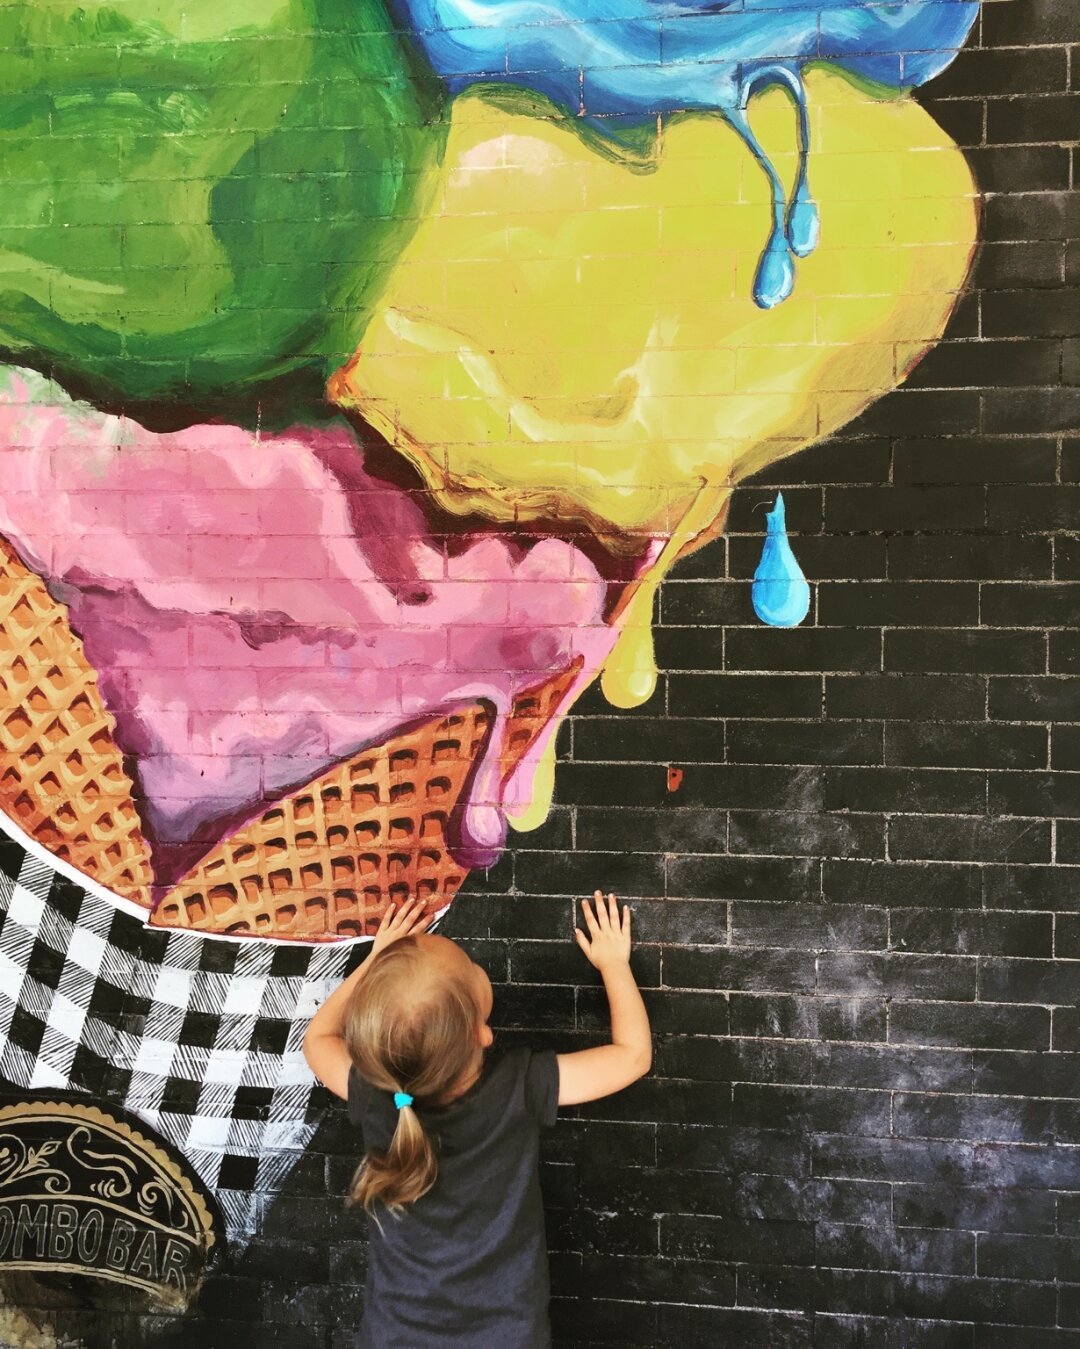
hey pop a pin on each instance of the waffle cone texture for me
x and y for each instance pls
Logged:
(322, 863)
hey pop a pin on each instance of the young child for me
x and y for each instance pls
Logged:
(449, 1177)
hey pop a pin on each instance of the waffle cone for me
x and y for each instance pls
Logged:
(325, 861)
(322, 863)
(62, 778)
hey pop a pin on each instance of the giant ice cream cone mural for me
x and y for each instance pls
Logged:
(356, 409)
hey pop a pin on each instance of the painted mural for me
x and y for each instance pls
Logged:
(367, 368)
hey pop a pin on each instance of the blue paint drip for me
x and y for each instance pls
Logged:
(625, 62)
(780, 593)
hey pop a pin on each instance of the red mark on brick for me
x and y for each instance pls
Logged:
(674, 779)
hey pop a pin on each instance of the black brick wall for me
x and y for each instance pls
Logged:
(859, 917)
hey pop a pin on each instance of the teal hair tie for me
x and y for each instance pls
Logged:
(402, 1099)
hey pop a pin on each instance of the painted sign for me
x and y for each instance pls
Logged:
(84, 1192)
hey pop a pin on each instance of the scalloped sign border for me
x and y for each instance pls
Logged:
(87, 1189)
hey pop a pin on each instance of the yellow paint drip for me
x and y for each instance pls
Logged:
(542, 791)
(629, 675)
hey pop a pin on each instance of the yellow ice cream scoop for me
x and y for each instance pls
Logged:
(571, 334)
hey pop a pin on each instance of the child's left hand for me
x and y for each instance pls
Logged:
(407, 921)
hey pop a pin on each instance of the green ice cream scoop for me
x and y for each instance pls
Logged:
(202, 198)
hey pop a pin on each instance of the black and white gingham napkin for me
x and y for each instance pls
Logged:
(199, 1037)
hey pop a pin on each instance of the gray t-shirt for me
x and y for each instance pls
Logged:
(466, 1265)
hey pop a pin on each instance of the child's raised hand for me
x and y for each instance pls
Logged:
(608, 942)
(407, 921)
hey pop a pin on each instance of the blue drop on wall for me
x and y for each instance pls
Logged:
(780, 593)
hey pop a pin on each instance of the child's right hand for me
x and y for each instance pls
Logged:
(608, 942)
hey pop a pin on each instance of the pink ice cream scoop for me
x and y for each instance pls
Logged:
(261, 607)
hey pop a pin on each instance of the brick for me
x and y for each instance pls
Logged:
(858, 1112)
(903, 508)
(903, 789)
(548, 963)
(803, 649)
(1015, 411)
(696, 648)
(631, 1278)
(900, 1069)
(748, 785)
(735, 695)
(615, 739)
(922, 1250)
(1065, 747)
(708, 602)
(1027, 605)
(969, 838)
(1045, 982)
(589, 784)
(987, 364)
(654, 831)
(1028, 887)
(974, 459)
(603, 1321)
(967, 557)
(981, 71)
(1049, 117)
(1041, 21)
(700, 1327)
(1031, 216)
(1048, 313)
(1008, 266)
(694, 921)
(733, 1059)
(808, 926)
(903, 884)
(1064, 653)
(904, 1160)
(989, 1118)
(1021, 168)
(1035, 793)
(966, 650)
(1068, 843)
(898, 603)
(832, 1200)
(735, 877)
(1023, 698)
(974, 1026)
(1066, 547)
(1035, 1075)
(581, 873)
(974, 745)
(905, 697)
(805, 833)
(1009, 1255)
(974, 1209)
(795, 742)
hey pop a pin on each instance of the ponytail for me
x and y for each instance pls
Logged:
(398, 1177)
(407, 1032)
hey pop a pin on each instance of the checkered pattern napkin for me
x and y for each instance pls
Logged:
(199, 1037)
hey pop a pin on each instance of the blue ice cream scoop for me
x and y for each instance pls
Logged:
(780, 593)
(621, 63)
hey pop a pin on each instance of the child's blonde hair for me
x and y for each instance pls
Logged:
(409, 1032)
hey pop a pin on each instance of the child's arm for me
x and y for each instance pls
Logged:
(324, 1045)
(592, 1073)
